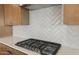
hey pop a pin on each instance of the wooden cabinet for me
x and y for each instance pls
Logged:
(15, 15)
(1, 15)
(71, 14)
(12, 14)
(6, 50)
(5, 31)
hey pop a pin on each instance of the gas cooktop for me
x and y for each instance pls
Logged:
(40, 46)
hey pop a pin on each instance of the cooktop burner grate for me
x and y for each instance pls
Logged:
(40, 46)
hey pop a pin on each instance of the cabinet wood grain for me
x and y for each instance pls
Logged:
(5, 31)
(24, 16)
(1, 15)
(15, 15)
(9, 50)
(71, 14)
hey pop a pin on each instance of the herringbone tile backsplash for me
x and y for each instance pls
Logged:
(47, 24)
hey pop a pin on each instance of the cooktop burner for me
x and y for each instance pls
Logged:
(42, 47)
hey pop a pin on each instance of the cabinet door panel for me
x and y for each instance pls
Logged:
(5, 31)
(71, 14)
(12, 14)
(1, 15)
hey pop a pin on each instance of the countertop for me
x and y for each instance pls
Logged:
(10, 41)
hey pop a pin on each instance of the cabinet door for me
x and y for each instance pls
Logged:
(12, 14)
(5, 31)
(1, 15)
(71, 14)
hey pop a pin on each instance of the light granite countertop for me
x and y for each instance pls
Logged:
(10, 41)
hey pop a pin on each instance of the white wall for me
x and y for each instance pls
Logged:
(47, 24)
